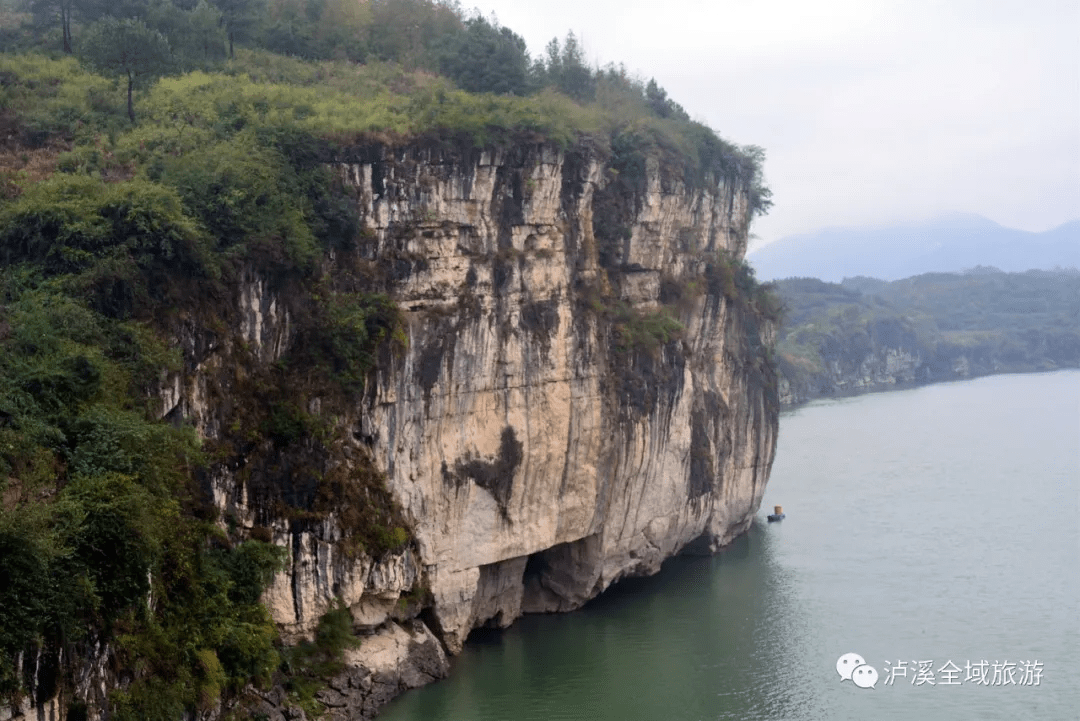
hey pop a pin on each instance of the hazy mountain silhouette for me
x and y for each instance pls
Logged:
(949, 243)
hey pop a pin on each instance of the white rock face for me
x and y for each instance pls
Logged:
(318, 571)
(538, 454)
(536, 461)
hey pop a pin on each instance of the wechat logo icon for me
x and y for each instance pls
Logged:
(853, 667)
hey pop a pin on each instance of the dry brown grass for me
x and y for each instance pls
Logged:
(21, 165)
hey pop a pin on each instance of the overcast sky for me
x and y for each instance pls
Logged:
(870, 112)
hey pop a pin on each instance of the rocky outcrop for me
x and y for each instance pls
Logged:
(388, 662)
(576, 401)
(869, 362)
(92, 681)
(538, 460)
(883, 354)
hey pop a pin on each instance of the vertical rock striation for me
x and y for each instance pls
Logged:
(550, 427)
(537, 455)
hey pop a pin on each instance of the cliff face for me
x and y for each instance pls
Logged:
(548, 428)
(537, 462)
(879, 355)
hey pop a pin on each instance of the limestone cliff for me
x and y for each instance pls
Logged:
(580, 395)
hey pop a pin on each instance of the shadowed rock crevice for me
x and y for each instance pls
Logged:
(702, 471)
(563, 577)
(499, 593)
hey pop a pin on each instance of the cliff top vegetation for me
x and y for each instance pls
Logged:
(342, 70)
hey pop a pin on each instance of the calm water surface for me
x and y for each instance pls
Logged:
(938, 524)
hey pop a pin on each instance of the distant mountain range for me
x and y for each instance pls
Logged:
(950, 243)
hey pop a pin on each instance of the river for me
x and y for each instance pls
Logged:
(927, 530)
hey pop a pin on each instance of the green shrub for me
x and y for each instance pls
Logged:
(251, 566)
(646, 331)
(113, 551)
(344, 336)
(391, 539)
(118, 539)
(310, 664)
(26, 598)
(211, 678)
(120, 243)
(207, 610)
(57, 98)
(237, 192)
(735, 280)
(152, 699)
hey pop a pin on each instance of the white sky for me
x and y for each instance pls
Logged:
(870, 112)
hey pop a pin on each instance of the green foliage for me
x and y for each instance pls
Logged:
(558, 98)
(486, 58)
(394, 96)
(661, 104)
(212, 677)
(112, 551)
(187, 111)
(250, 566)
(311, 664)
(118, 538)
(56, 98)
(368, 515)
(286, 424)
(359, 81)
(126, 48)
(318, 29)
(239, 17)
(995, 321)
(116, 242)
(28, 551)
(412, 32)
(208, 633)
(345, 333)
(394, 539)
(48, 13)
(735, 280)
(565, 68)
(645, 331)
(254, 183)
(982, 299)
(240, 194)
(196, 35)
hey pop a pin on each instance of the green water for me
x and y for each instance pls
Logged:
(938, 524)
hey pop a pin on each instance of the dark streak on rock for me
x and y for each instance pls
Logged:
(541, 318)
(496, 477)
